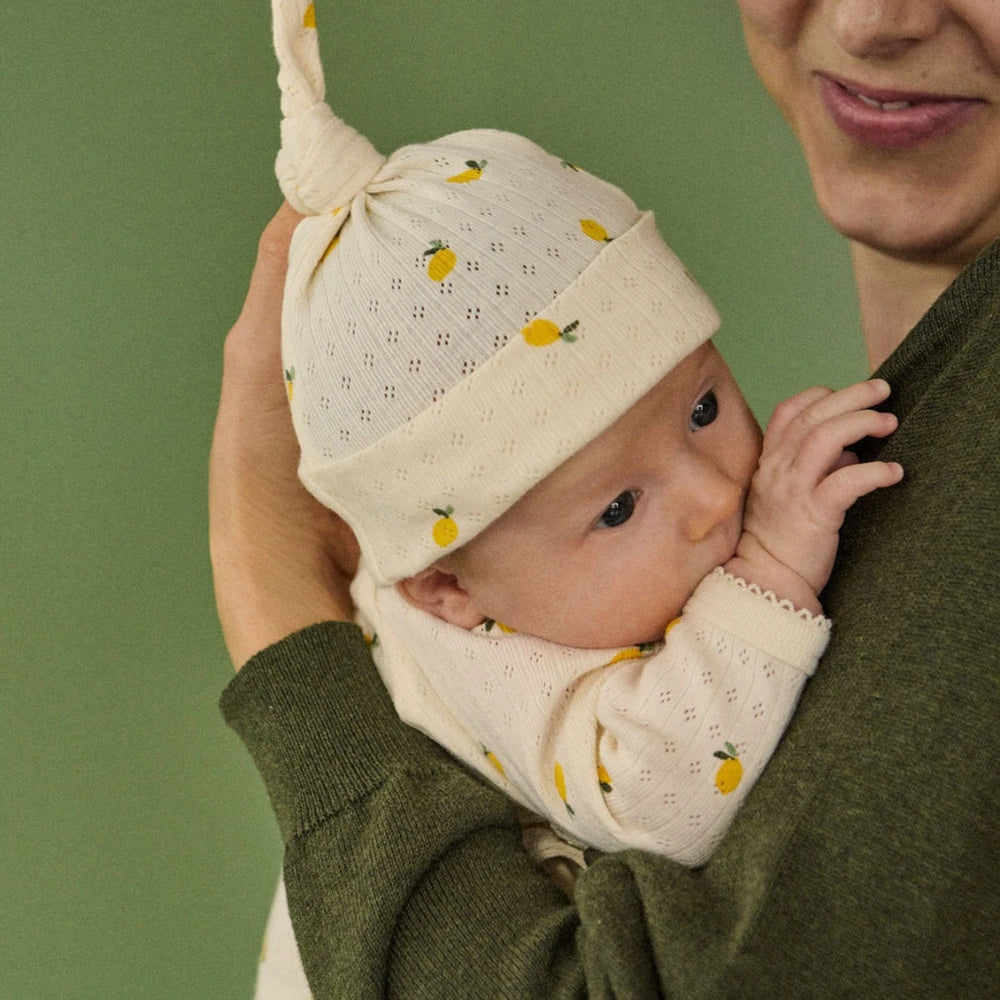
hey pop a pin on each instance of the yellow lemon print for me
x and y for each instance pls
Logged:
(670, 625)
(442, 260)
(492, 758)
(290, 382)
(329, 249)
(593, 229)
(445, 530)
(603, 779)
(491, 624)
(371, 641)
(560, 780)
(542, 332)
(475, 171)
(632, 652)
(730, 772)
(309, 17)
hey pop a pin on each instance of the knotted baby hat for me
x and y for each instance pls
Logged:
(459, 318)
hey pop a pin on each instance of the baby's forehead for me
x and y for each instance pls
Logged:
(624, 446)
(627, 443)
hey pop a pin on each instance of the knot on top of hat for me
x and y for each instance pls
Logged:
(323, 162)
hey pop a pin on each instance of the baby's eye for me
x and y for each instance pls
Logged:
(705, 411)
(619, 510)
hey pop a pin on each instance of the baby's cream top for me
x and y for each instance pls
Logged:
(652, 747)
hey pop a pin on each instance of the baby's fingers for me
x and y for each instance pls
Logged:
(800, 417)
(792, 408)
(821, 451)
(846, 484)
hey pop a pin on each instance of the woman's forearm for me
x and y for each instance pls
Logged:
(280, 561)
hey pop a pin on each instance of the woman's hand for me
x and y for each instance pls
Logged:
(280, 560)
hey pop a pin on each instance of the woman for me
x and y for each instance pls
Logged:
(864, 862)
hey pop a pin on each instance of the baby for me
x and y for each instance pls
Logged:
(582, 572)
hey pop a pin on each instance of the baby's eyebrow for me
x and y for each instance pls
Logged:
(593, 487)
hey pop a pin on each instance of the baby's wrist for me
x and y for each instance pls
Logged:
(755, 564)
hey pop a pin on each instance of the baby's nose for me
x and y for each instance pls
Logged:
(712, 498)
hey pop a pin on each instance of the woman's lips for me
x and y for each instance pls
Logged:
(892, 119)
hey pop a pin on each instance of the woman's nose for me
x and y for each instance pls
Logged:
(711, 497)
(881, 29)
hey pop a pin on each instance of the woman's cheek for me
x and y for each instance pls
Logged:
(774, 22)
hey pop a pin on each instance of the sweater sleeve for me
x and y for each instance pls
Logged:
(371, 809)
(402, 867)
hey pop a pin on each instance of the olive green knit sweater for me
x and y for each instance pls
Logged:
(864, 863)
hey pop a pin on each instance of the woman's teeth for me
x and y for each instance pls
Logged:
(882, 105)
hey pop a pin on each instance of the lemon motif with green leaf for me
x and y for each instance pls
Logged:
(445, 529)
(542, 332)
(559, 777)
(442, 260)
(475, 171)
(730, 772)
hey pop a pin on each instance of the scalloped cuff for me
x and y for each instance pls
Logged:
(761, 619)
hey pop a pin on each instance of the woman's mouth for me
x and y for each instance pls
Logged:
(893, 119)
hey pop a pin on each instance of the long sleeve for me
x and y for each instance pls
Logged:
(374, 813)
(653, 747)
(405, 873)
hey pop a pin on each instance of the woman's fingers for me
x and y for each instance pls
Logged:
(280, 560)
(267, 282)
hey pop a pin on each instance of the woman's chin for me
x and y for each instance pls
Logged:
(911, 224)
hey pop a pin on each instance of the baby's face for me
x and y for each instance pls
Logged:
(606, 549)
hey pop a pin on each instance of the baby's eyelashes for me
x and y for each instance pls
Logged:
(705, 411)
(619, 510)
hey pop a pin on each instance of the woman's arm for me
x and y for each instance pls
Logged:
(405, 873)
(280, 560)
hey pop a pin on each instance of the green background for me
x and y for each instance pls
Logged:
(138, 851)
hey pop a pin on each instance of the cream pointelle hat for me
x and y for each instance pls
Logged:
(459, 318)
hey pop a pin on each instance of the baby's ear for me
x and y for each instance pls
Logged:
(438, 593)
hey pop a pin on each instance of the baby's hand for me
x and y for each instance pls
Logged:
(804, 484)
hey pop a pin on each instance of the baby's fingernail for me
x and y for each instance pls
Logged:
(881, 384)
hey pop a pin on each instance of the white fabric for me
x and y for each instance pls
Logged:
(280, 975)
(322, 161)
(413, 302)
(513, 416)
(518, 709)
